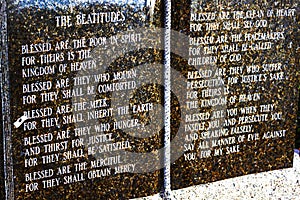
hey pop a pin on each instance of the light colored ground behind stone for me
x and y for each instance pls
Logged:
(278, 184)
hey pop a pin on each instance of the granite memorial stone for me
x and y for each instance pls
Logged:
(86, 110)
(238, 88)
(70, 119)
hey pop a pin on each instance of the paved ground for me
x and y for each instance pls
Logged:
(278, 184)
